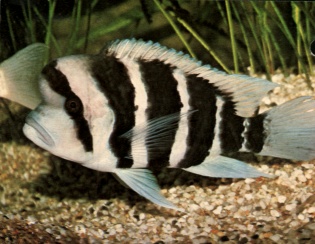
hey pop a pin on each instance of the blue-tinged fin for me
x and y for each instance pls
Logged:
(157, 132)
(289, 130)
(224, 167)
(19, 75)
(246, 92)
(145, 184)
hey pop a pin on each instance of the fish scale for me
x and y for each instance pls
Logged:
(138, 105)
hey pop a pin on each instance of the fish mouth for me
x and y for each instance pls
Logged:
(41, 134)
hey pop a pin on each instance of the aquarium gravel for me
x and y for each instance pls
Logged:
(46, 200)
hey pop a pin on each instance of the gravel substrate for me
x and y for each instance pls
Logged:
(44, 199)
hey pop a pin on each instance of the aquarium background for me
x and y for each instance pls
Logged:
(232, 35)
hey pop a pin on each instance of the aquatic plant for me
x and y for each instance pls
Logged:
(256, 35)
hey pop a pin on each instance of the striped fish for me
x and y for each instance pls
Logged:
(137, 105)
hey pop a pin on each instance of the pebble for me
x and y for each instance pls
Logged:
(311, 210)
(302, 178)
(142, 216)
(250, 228)
(294, 223)
(290, 207)
(194, 207)
(262, 204)
(31, 220)
(307, 166)
(218, 210)
(275, 213)
(112, 232)
(301, 217)
(275, 238)
(248, 196)
(48, 230)
(80, 229)
(282, 199)
(249, 180)
(210, 221)
(240, 200)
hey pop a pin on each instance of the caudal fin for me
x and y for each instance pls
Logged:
(289, 130)
(19, 75)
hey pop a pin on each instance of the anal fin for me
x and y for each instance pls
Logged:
(224, 167)
(145, 184)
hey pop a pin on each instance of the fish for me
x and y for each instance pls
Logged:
(138, 106)
(20, 73)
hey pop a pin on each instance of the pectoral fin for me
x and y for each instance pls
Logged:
(144, 183)
(224, 167)
(154, 135)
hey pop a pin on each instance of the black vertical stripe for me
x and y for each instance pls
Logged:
(116, 85)
(163, 99)
(255, 136)
(60, 84)
(201, 123)
(231, 128)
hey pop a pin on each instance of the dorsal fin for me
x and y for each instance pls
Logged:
(246, 92)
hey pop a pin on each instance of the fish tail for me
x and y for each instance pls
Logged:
(286, 131)
(19, 75)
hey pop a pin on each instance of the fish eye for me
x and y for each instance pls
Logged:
(73, 105)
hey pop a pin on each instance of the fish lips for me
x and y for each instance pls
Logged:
(32, 128)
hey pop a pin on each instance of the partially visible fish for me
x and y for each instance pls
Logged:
(137, 105)
(19, 75)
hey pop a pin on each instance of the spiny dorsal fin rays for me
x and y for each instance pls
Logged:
(156, 131)
(236, 85)
(145, 184)
(19, 75)
(224, 167)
